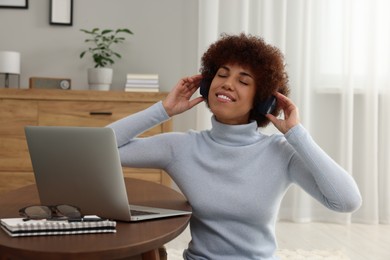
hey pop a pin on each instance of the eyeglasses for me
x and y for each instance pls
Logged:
(58, 212)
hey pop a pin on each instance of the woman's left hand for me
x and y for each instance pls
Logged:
(291, 115)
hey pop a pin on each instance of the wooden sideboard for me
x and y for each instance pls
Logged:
(21, 107)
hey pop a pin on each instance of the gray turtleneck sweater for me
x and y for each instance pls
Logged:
(234, 177)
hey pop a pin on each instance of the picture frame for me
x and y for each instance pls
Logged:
(61, 12)
(20, 4)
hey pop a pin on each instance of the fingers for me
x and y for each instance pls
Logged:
(187, 86)
(196, 77)
(191, 79)
(283, 101)
(196, 101)
(191, 82)
(179, 99)
(290, 111)
(274, 120)
(286, 104)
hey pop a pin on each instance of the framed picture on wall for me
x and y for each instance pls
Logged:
(61, 12)
(22, 4)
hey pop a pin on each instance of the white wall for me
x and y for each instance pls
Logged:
(164, 41)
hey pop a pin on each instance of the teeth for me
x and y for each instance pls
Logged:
(224, 97)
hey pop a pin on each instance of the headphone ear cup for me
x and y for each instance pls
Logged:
(267, 107)
(204, 88)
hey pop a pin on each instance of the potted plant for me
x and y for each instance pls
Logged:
(101, 48)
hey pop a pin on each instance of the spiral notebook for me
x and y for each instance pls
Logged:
(17, 227)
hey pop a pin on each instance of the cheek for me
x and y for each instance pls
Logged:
(249, 96)
(213, 84)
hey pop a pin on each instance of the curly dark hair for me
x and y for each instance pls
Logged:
(265, 61)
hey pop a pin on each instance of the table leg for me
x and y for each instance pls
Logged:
(151, 255)
(162, 251)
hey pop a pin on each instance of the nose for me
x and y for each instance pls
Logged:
(228, 84)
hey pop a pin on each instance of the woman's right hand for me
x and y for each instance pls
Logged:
(179, 99)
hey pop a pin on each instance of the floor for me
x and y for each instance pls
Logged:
(357, 241)
(354, 241)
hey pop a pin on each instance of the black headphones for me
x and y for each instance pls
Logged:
(266, 107)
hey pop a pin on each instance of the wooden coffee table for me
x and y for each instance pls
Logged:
(139, 240)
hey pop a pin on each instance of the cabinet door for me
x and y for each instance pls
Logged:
(89, 113)
(14, 115)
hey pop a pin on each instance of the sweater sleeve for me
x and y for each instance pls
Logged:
(148, 152)
(131, 126)
(319, 175)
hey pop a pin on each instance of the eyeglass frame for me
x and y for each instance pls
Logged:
(55, 213)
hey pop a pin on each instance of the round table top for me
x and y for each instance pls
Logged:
(130, 239)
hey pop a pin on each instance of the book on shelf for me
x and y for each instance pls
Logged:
(134, 89)
(142, 83)
(130, 85)
(142, 76)
(19, 227)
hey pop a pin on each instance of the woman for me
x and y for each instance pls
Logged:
(233, 176)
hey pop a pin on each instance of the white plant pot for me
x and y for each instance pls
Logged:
(100, 78)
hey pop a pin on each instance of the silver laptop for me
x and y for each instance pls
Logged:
(80, 166)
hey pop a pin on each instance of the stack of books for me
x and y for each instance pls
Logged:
(18, 227)
(142, 83)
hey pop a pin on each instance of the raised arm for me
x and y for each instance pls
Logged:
(177, 101)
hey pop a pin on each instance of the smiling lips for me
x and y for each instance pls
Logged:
(225, 98)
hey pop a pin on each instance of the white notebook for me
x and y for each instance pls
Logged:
(17, 227)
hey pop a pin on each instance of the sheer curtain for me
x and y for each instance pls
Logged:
(338, 61)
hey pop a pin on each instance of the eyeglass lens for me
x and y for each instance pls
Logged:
(37, 212)
(50, 212)
(68, 211)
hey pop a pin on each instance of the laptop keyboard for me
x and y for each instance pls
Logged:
(141, 213)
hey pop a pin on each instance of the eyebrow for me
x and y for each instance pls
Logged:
(243, 73)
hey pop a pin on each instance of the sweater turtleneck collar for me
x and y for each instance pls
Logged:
(234, 135)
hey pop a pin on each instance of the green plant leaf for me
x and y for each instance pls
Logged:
(106, 31)
(125, 30)
(102, 43)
